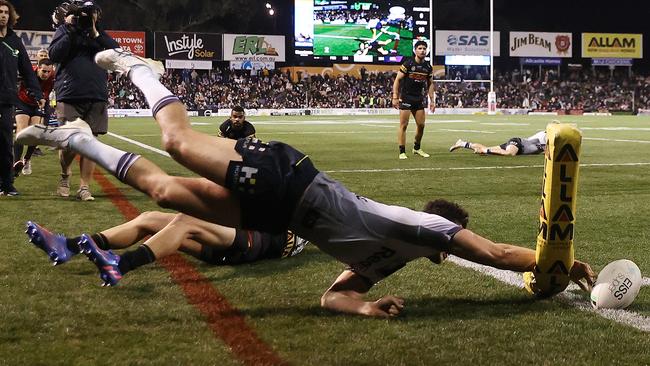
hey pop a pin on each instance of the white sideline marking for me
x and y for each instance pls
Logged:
(137, 143)
(353, 122)
(469, 131)
(621, 316)
(616, 140)
(376, 125)
(504, 124)
(616, 128)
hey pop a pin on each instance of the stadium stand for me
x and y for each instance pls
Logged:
(583, 90)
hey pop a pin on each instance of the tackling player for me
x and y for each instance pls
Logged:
(28, 113)
(535, 144)
(413, 78)
(273, 187)
(211, 243)
(236, 127)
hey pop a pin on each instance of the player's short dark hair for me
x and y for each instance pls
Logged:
(13, 16)
(45, 61)
(449, 210)
(237, 108)
(420, 43)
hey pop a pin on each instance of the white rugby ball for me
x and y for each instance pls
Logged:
(617, 285)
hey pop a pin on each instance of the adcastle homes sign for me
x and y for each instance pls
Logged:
(540, 44)
(187, 46)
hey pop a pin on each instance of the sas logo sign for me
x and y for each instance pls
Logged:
(464, 40)
(466, 43)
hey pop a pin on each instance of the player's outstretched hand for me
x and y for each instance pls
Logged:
(386, 307)
(582, 274)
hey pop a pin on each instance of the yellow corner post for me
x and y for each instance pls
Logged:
(554, 252)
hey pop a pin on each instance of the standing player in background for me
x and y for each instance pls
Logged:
(28, 113)
(81, 86)
(409, 96)
(535, 144)
(13, 60)
(236, 127)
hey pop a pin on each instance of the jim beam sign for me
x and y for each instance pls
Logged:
(540, 44)
(253, 47)
(187, 46)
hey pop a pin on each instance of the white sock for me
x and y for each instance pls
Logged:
(115, 161)
(148, 83)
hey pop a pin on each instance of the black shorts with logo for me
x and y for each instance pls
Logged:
(514, 141)
(258, 246)
(269, 181)
(412, 104)
(30, 110)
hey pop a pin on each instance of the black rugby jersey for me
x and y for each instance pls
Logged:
(414, 86)
(228, 131)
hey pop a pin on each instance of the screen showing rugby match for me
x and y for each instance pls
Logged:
(359, 31)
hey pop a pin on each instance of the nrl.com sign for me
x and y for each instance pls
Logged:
(250, 47)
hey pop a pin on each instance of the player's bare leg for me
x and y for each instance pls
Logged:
(205, 155)
(404, 116)
(419, 116)
(66, 158)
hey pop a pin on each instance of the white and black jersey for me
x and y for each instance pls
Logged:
(372, 238)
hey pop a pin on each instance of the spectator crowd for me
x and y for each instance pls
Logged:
(585, 90)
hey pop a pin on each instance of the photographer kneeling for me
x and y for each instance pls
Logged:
(80, 85)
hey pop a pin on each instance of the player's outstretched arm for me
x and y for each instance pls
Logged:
(346, 296)
(476, 248)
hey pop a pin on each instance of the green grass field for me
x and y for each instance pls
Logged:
(454, 315)
(343, 40)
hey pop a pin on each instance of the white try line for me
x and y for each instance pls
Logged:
(621, 316)
(494, 167)
(616, 140)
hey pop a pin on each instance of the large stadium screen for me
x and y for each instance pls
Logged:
(379, 31)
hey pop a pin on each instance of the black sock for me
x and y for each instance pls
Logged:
(136, 258)
(18, 152)
(402, 149)
(416, 145)
(73, 244)
(101, 241)
(30, 152)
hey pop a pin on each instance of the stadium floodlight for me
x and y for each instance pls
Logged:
(268, 6)
(271, 11)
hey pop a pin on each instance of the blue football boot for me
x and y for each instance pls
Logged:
(52, 244)
(105, 260)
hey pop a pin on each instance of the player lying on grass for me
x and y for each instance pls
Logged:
(532, 145)
(208, 242)
(272, 187)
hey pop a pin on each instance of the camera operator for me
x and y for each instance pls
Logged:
(80, 85)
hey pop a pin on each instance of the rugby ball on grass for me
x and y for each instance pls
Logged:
(617, 285)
